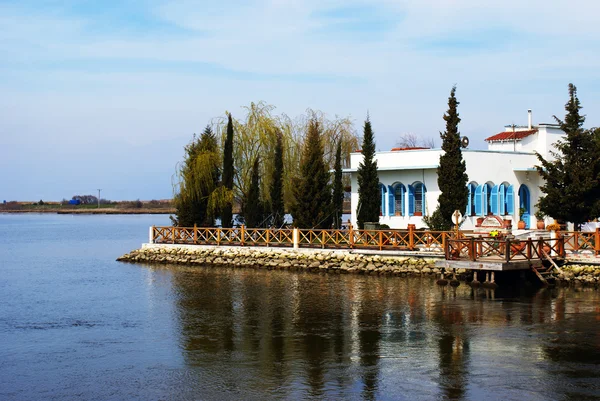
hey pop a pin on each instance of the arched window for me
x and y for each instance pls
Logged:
(471, 202)
(416, 198)
(397, 194)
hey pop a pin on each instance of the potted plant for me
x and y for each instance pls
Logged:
(521, 223)
(539, 215)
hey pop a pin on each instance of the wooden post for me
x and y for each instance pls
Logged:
(445, 244)
(507, 251)
(351, 235)
(218, 236)
(195, 234)
(472, 250)
(411, 237)
(173, 234)
(561, 245)
(268, 231)
(597, 241)
(528, 252)
(242, 235)
(380, 240)
(296, 237)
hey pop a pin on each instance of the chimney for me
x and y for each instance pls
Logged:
(529, 122)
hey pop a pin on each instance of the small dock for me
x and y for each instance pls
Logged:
(496, 255)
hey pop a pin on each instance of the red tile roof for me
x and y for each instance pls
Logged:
(509, 135)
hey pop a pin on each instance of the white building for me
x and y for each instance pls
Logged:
(502, 179)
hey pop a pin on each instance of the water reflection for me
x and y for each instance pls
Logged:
(326, 336)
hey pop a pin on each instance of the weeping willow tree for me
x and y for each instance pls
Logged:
(256, 137)
(196, 183)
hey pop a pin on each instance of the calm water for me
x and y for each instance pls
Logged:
(75, 324)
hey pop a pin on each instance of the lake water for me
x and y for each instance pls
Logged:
(76, 324)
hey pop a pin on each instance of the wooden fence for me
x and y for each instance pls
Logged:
(409, 240)
(506, 250)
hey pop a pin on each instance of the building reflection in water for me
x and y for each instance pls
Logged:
(296, 335)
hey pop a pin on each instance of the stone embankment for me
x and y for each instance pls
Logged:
(333, 261)
(317, 260)
(581, 274)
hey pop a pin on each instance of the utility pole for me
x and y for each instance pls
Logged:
(99, 197)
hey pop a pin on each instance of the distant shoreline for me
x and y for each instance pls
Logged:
(92, 211)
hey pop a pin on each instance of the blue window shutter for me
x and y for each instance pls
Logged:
(510, 200)
(501, 200)
(423, 193)
(484, 200)
(468, 211)
(391, 200)
(411, 200)
(495, 200)
(478, 204)
(382, 204)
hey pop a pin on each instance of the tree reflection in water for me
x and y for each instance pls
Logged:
(270, 334)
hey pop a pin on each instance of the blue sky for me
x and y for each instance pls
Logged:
(105, 94)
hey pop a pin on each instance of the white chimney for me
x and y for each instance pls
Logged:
(529, 121)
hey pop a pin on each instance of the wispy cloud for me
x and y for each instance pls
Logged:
(113, 66)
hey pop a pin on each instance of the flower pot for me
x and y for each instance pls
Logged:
(479, 221)
(507, 224)
(521, 225)
(541, 225)
(418, 214)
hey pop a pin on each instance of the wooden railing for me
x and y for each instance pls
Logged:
(507, 250)
(410, 239)
(576, 241)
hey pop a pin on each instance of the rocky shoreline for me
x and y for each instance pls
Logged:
(317, 260)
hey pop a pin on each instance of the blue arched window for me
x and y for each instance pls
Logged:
(484, 201)
(416, 198)
(471, 202)
(397, 193)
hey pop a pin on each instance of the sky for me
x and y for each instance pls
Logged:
(105, 94)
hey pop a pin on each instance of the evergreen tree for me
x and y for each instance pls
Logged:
(571, 189)
(452, 177)
(198, 178)
(369, 198)
(312, 191)
(253, 211)
(228, 172)
(276, 188)
(337, 198)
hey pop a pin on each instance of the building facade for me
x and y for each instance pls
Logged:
(503, 180)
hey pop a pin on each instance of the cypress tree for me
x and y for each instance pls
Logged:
(198, 178)
(312, 191)
(276, 189)
(369, 198)
(571, 188)
(228, 171)
(337, 198)
(252, 204)
(452, 177)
